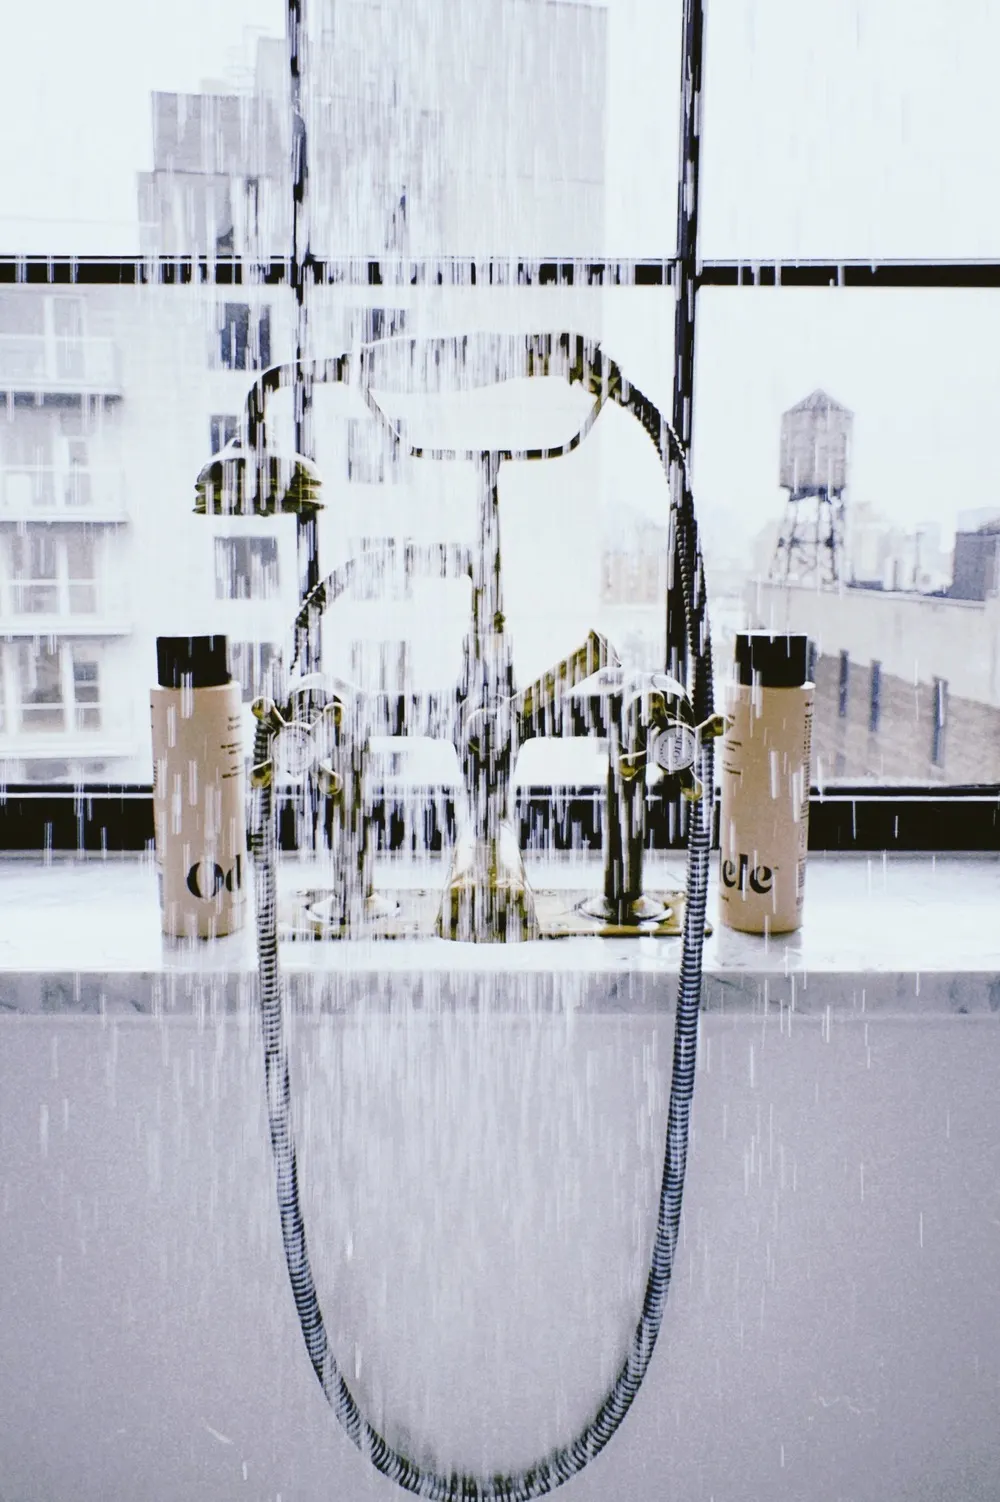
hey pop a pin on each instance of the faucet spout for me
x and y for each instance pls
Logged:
(488, 898)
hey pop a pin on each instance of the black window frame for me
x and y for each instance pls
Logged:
(860, 817)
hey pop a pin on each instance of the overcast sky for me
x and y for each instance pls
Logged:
(833, 127)
(864, 128)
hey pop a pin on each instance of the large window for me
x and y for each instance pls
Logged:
(56, 689)
(842, 454)
(51, 571)
(246, 568)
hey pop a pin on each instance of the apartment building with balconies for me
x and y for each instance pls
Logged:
(62, 505)
(114, 395)
(907, 685)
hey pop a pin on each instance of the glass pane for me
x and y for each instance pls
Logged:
(254, 664)
(583, 536)
(85, 677)
(78, 487)
(82, 599)
(845, 473)
(21, 316)
(35, 599)
(67, 317)
(246, 568)
(846, 128)
(222, 430)
(498, 128)
(79, 555)
(850, 128)
(33, 554)
(39, 685)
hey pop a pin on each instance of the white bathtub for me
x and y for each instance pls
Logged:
(479, 1179)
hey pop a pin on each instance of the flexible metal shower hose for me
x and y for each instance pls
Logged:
(566, 1461)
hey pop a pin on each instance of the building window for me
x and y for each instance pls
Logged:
(86, 687)
(75, 479)
(43, 462)
(875, 697)
(939, 705)
(34, 572)
(67, 328)
(843, 685)
(244, 337)
(46, 771)
(52, 572)
(40, 687)
(381, 666)
(246, 568)
(22, 313)
(254, 665)
(381, 569)
(373, 457)
(222, 429)
(58, 687)
(371, 324)
(81, 584)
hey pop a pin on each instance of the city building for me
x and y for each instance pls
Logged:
(884, 555)
(440, 129)
(976, 573)
(906, 637)
(115, 395)
(907, 685)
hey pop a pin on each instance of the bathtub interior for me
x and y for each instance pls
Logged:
(480, 1184)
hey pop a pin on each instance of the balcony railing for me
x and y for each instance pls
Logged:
(43, 623)
(42, 363)
(43, 492)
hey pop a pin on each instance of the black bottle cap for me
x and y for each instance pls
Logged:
(773, 660)
(191, 661)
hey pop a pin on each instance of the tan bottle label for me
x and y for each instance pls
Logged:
(766, 757)
(199, 809)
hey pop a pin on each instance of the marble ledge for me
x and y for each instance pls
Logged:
(902, 935)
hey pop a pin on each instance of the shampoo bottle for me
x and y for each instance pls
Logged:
(766, 753)
(199, 803)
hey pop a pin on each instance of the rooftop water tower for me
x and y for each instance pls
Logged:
(815, 437)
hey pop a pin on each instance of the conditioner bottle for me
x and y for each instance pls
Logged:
(765, 784)
(199, 803)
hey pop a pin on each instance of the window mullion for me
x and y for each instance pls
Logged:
(62, 574)
(66, 683)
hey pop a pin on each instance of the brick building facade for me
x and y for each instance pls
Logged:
(907, 685)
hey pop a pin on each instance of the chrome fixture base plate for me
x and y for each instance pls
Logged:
(412, 912)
